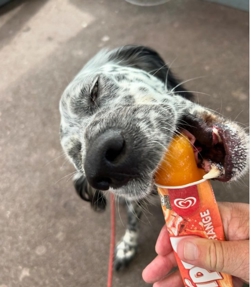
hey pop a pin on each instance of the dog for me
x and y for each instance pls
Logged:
(118, 116)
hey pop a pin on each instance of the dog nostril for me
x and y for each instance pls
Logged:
(113, 153)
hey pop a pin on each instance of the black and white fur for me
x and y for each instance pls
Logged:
(118, 116)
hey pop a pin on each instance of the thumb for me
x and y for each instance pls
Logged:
(230, 257)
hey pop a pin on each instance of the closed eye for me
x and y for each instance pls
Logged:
(94, 92)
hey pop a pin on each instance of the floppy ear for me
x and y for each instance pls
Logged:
(88, 193)
(147, 59)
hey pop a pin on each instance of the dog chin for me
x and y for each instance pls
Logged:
(132, 191)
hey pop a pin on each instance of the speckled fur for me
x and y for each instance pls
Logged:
(138, 95)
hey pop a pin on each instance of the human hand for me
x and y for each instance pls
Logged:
(230, 256)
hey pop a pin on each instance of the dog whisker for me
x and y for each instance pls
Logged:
(186, 81)
(153, 72)
(168, 70)
(196, 92)
(62, 154)
(118, 198)
(68, 176)
(235, 119)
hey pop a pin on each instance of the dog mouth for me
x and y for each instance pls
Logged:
(218, 148)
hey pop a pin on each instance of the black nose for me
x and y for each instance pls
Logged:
(108, 161)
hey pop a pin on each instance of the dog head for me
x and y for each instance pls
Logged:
(119, 114)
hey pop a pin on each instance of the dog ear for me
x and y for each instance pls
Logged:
(147, 59)
(88, 193)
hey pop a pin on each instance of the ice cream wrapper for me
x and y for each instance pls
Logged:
(191, 210)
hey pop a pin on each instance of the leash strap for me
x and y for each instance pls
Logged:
(112, 241)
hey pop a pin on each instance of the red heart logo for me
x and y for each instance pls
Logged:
(184, 201)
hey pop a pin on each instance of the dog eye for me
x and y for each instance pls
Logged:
(94, 92)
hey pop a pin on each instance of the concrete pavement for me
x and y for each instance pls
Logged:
(49, 237)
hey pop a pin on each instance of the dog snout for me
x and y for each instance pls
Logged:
(108, 161)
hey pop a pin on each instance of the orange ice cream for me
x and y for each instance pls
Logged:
(189, 208)
(178, 166)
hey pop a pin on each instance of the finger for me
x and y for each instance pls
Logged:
(173, 280)
(158, 268)
(230, 257)
(163, 245)
(235, 218)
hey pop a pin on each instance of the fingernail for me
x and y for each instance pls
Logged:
(190, 251)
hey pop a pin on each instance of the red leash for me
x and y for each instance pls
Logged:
(112, 241)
